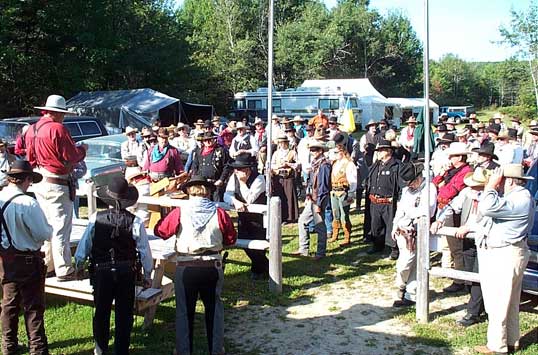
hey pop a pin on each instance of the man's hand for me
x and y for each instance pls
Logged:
(436, 226)
(461, 232)
(495, 179)
(239, 206)
(219, 182)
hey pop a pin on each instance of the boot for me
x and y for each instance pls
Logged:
(336, 230)
(347, 235)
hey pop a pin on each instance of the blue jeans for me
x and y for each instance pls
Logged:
(329, 218)
(308, 217)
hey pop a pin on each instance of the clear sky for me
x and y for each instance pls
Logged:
(467, 28)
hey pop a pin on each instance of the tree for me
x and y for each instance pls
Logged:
(523, 34)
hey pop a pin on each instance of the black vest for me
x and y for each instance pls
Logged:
(249, 224)
(113, 231)
(243, 143)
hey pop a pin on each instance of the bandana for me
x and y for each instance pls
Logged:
(156, 155)
(202, 210)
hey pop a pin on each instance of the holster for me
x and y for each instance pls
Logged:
(72, 189)
(410, 239)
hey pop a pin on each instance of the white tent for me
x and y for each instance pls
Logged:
(371, 102)
(416, 105)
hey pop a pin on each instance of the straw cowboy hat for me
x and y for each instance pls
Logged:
(118, 193)
(462, 132)
(497, 115)
(479, 177)
(129, 130)
(240, 125)
(515, 171)
(54, 103)
(282, 139)
(197, 180)
(258, 121)
(371, 123)
(412, 119)
(297, 118)
(23, 167)
(457, 148)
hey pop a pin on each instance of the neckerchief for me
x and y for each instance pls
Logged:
(202, 210)
(451, 173)
(156, 155)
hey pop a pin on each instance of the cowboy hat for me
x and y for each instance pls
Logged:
(409, 172)
(462, 132)
(534, 132)
(478, 177)
(472, 116)
(163, 133)
(308, 127)
(318, 145)
(515, 119)
(208, 124)
(146, 132)
(533, 123)
(384, 144)
(258, 121)
(497, 115)
(457, 148)
(494, 128)
(334, 119)
(54, 103)
(282, 139)
(412, 119)
(515, 171)
(199, 122)
(503, 135)
(243, 161)
(118, 193)
(129, 130)
(371, 123)
(208, 136)
(274, 117)
(240, 125)
(290, 129)
(215, 119)
(486, 149)
(23, 167)
(197, 180)
(451, 121)
(448, 138)
(442, 128)
(297, 118)
(339, 138)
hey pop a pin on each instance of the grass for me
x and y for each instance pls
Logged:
(69, 325)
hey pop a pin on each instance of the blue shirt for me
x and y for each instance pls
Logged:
(512, 216)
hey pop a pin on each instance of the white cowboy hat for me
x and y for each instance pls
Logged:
(129, 130)
(479, 177)
(457, 148)
(54, 103)
(240, 125)
(497, 115)
(462, 132)
(515, 171)
(258, 120)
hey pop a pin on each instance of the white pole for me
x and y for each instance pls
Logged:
(423, 247)
(269, 114)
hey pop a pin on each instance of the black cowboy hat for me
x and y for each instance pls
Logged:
(23, 167)
(494, 128)
(409, 172)
(339, 138)
(207, 136)
(334, 119)
(442, 128)
(118, 191)
(446, 139)
(243, 161)
(197, 180)
(384, 144)
(486, 149)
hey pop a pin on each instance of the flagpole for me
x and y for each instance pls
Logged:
(423, 245)
(269, 193)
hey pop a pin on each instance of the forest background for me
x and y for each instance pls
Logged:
(207, 50)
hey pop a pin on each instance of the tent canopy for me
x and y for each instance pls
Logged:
(136, 108)
(371, 102)
(416, 105)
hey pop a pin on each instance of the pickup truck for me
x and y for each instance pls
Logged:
(460, 113)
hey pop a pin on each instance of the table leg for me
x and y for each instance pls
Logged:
(158, 274)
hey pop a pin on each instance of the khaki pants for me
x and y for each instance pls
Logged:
(454, 252)
(58, 208)
(406, 271)
(501, 275)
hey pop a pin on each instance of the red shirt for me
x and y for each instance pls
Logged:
(452, 188)
(169, 226)
(53, 148)
(171, 163)
(20, 146)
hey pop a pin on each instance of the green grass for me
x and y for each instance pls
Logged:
(69, 325)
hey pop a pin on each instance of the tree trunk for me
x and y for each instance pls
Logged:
(535, 86)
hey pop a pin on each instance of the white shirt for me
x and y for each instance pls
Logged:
(25, 220)
(84, 247)
(303, 153)
(351, 173)
(249, 194)
(129, 148)
(505, 153)
(412, 205)
(240, 140)
(407, 143)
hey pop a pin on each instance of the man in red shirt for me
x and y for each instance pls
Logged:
(320, 118)
(163, 160)
(53, 153)
(449, 184)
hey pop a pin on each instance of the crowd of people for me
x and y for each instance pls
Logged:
(314, 165)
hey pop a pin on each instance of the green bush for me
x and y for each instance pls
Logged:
(524, 112)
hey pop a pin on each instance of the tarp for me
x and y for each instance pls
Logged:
(135, 108)
(416, 105)
(371, 102)
(419, 146)
(189, 113)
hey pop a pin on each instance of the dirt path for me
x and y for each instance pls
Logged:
(341, 318)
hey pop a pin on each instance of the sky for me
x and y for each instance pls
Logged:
(467, 28)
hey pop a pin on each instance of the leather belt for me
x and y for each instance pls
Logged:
(200, 263)
(379, 200)
(56, 181)
(340, 188)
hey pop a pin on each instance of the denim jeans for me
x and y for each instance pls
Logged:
(308, 216)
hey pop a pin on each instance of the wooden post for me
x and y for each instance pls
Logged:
(423, 266)
(275, 247)
(92, 201)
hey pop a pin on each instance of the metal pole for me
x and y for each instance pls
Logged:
(275, 247)
(269, 114)
(423, 247)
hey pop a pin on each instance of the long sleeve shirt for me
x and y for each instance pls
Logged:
(245, 142)
(129, 148)
(448, 190)
(53, 148)
(350, 173)
(25, 221)
(250, 194)
(412, 204)
(84, 247)
(170, 164)
(512, 216)
(323, 186)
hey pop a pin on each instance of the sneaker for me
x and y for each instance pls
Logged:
(468, 320)
(454, 288)
(404, 302)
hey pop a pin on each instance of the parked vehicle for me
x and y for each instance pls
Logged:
(80, 127)
(460, 113)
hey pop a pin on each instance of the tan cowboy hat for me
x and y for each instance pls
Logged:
(479, 177)
(371, 123)
(412, 119)
(457, 148)
(462, 132)
(54, 103)
(515, 171)
(258, 121)
(497, 115)
(282, 138)
(297, 118)
(129, 130)
(318, 145)
(240, 125)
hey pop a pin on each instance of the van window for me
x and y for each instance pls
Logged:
(89, 128)
(277, 106)
(254, 104)
(240, 104)
(353, 103)
(329, 104)
(73, 128)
